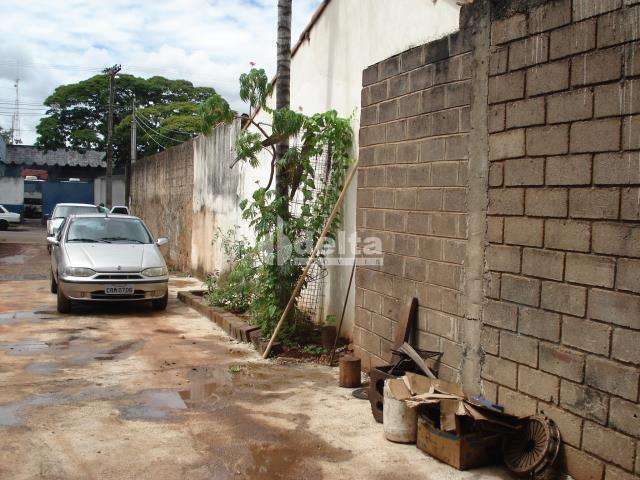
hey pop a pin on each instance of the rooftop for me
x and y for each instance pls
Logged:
(30, 155)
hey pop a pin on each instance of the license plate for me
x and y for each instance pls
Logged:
(118, 290)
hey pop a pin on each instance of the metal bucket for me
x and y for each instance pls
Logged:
(399, 422)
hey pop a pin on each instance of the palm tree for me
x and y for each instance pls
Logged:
(283, 81)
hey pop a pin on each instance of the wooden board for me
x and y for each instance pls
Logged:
(405, 325)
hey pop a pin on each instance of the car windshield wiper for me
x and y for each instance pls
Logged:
(87, 240)
(122, 239)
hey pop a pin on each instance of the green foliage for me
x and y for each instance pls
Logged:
(330, 320)
(308, 137)
(315, 350)
(213, 111)
(233, 288)
(5, 135)
(248, 146)
(77, 114)
(255, 88)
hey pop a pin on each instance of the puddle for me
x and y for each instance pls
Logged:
(10, 318)
(11, 414)
(26, 347)
(199, 393)
(154, 405)
(118, 352)
(43, 368)
(13, 260)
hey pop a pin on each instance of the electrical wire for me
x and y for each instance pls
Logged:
(151, 136)
(149, 125)
(80, 68)
(138, 114)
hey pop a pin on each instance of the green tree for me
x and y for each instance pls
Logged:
(77, 114)
(5, 135)
(307, 137)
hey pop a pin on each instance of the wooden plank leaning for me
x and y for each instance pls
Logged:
(312, 257)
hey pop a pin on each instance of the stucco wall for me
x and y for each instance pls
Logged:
(161, 194)
(117, 189)
(217, 192)
(11, 190)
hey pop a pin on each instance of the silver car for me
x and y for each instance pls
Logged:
(103, 258)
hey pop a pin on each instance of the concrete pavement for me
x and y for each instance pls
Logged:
(123, 392)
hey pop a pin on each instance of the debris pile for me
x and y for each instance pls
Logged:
(415, 406)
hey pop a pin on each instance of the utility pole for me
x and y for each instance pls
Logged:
(134, 144)
(111, 73)
(134, 151)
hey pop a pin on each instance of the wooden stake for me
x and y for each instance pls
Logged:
(312, 257)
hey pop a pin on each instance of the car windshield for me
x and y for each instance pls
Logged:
(63, 211)
(121, 210)
(107, 230)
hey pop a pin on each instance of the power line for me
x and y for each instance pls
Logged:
(149, 125)
(151, 137)
(142, 68)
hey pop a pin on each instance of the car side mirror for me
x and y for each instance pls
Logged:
(162, 241)
(53, 241)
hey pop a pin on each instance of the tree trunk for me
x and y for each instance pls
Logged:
(283, 80)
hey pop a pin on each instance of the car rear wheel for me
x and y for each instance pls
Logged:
(160, 303)
(54, 285)
(64, 304)
(4, 225)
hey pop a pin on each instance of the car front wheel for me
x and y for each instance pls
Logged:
(160, 303)
(4, 225)
(64, 304)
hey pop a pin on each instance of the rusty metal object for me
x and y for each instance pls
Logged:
(378, 375)
(328, 336)
(361, 393)
(533, 448)
(344, 309)
(350, 372)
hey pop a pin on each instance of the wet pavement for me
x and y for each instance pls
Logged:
(123, 392)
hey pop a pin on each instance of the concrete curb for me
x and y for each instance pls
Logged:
(235, 326)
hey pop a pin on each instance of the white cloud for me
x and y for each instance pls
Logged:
(207, 42)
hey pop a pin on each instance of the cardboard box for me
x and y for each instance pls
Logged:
(462, 451)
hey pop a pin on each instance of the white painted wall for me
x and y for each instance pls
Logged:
(326, 73)
(11, 190)
(117, 190)
(217, 192)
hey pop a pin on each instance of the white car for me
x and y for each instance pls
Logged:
(62, 211)
(120, 210)
(8, 218)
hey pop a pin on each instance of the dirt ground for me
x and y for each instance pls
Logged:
(122, 392)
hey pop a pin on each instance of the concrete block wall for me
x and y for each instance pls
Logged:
(560, 330)
(412, 187)
(561, 326)
(161, 194)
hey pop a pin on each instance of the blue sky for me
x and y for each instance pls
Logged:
(209, 42)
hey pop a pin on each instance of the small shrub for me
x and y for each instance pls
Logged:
(234, 287)
(330, 320)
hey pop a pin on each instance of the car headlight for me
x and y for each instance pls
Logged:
(155, 272)
(78, 272)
